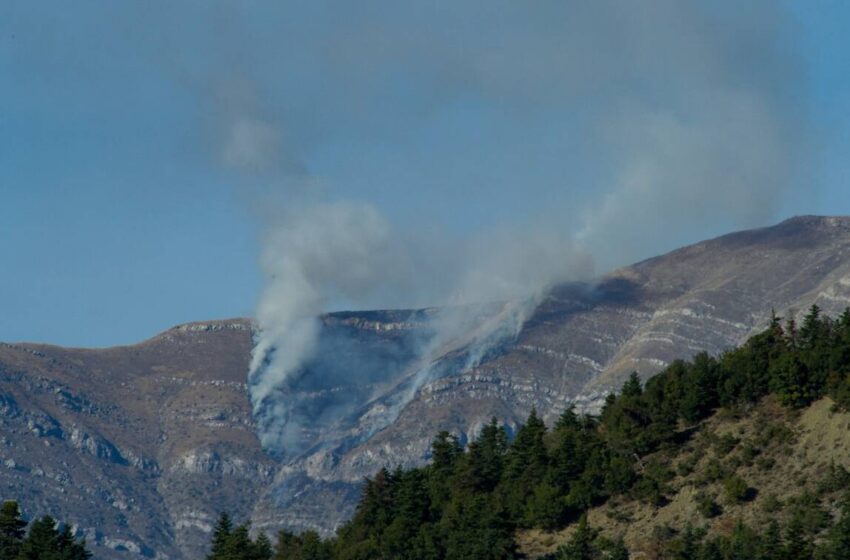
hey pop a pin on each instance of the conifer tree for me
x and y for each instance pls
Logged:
(710, 550)
(837, 545)
(632, 387)
(221, 537)
(41, 542)
(262, 549)
(486, 457)
(771, 543)
(445, 449)
(239, 545)
(12, 530)
(797, 545)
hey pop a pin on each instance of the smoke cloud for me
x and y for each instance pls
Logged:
(471, 155)
(314, 255)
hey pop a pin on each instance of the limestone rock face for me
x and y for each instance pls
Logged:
(141, 446)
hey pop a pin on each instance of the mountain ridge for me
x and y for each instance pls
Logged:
(141, 445)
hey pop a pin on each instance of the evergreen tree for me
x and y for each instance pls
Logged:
(239, 545)
(445, 450)
(262, 549)
(42, 540)
(744, 543)
(699, 395)
(837, 545)
(313, 547)
(68, 548)
(221, 538)
(688, 546)
(771, 544)
(710, 550)
(478, 527)
(632, 387)
(612, 550)
(486, 457)
(797, 544)
(288, 547)
(545, 508)
(12, 531)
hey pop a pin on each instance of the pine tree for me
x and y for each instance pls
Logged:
(688, 546)
(445, 449)
(288, 546)
(771, 543)
(67, 547)
(313, 547)
(710, 550)
(262, 549)
(797, 545)
(477, 527)
(632, 387)
(12, 531)
(486, 457)
(613, 550)
(41, 542)
(527, 455)
(545, 508)
(744, 543)
(837, 545)
(239, 545)
(221, 537)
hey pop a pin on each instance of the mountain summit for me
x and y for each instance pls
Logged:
(141, 446)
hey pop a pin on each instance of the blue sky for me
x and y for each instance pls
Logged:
(128, 204)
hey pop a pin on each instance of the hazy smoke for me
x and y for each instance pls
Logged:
(557, 130)
(314, 255)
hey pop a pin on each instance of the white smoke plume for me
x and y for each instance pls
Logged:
(565, 133)
(315, 254)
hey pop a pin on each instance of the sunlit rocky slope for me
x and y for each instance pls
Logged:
(141, 446)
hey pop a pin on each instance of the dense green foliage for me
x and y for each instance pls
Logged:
(468, 504)
(44, 540)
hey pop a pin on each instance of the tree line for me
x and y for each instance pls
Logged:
(42, 539)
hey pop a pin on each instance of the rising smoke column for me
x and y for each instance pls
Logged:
(315, 253)
(625, 128)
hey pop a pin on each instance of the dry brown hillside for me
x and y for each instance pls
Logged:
(786, 458)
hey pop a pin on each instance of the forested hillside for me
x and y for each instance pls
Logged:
(480, 502)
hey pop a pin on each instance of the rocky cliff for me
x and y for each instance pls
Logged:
(141, 446)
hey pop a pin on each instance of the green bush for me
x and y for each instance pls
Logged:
(725, 444)
(736, 490)
(707, 506)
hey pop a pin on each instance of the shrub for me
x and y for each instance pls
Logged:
(687, 465)
(707, 507)
(736, 490)
(713, 471)
(725, 444)
(772, 504)
(765, 463)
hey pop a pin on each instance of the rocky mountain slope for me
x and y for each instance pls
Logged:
(140, 446)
